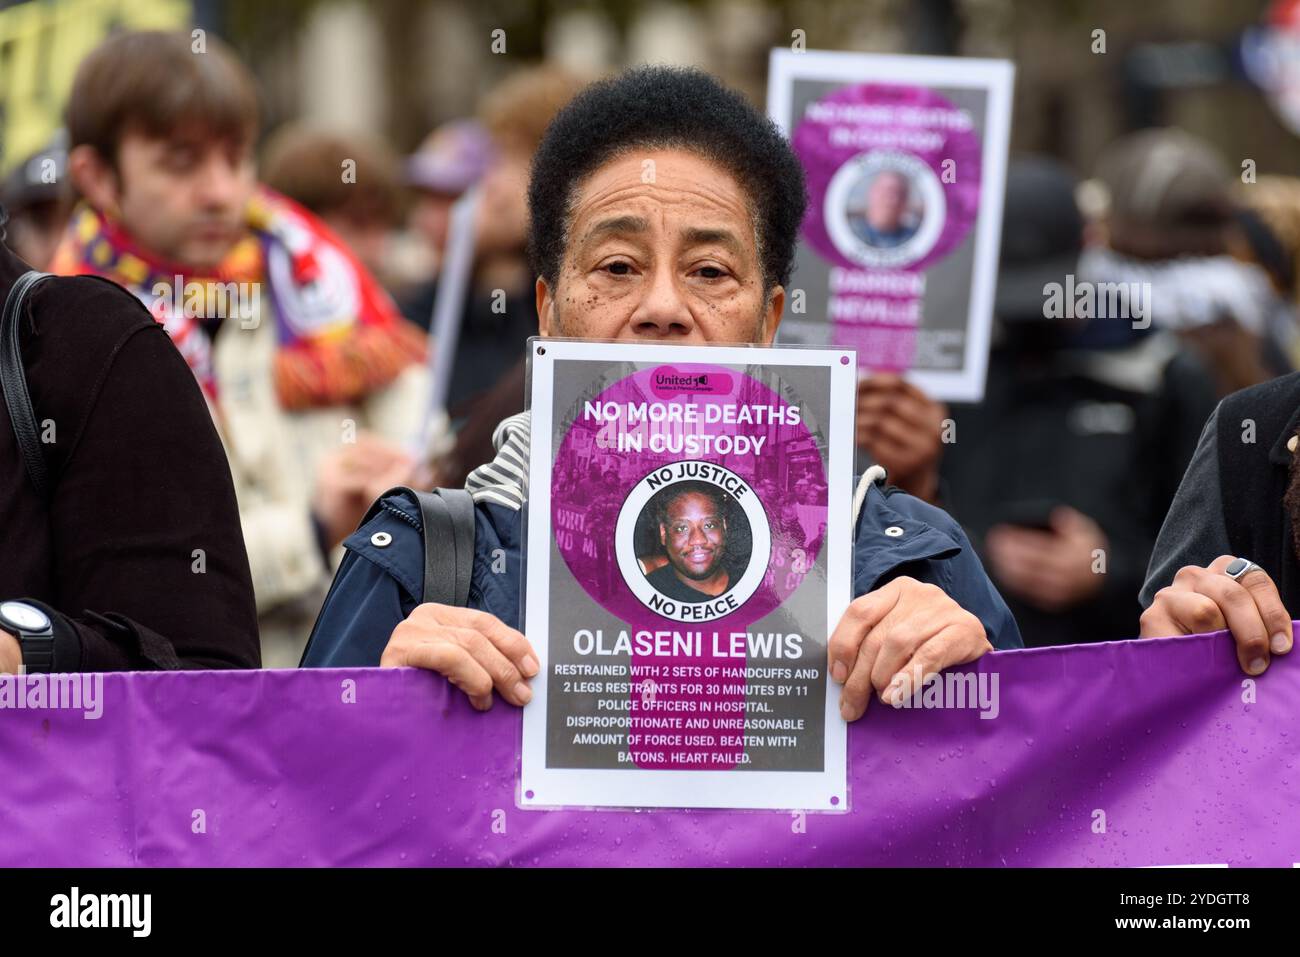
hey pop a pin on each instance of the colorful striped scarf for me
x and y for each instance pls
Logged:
(339, 335)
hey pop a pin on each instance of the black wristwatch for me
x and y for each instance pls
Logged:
(35, 634)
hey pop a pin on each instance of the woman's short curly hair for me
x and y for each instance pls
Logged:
(660, 107)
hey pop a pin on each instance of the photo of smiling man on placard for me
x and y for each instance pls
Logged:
(696, 547)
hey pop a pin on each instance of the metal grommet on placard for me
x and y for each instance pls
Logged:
(381, 539)
(893, 531)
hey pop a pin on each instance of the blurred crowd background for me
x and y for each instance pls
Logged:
(381, 77)
(1156, 142)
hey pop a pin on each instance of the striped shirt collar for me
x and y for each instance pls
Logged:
(502, 481)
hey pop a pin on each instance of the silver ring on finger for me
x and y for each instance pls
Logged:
(1238, 568)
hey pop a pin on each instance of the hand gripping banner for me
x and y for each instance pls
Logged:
(1124, 754)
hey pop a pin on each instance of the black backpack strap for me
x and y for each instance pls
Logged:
(447, 516)
(13, 381)
(460, 504)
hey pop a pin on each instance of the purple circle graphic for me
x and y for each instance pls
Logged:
(585, 511)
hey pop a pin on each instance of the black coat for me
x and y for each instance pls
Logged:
(1232, 499)
(138, 555)
(1253, 478)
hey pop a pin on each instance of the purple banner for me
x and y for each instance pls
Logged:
(1120, 754)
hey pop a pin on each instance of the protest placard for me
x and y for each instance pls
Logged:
(688, 552)
(905, 159)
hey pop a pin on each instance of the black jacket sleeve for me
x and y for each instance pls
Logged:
(1194, 532)
(149, 557)
(1185, 403)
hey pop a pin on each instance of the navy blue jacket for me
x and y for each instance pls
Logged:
(380, 582)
